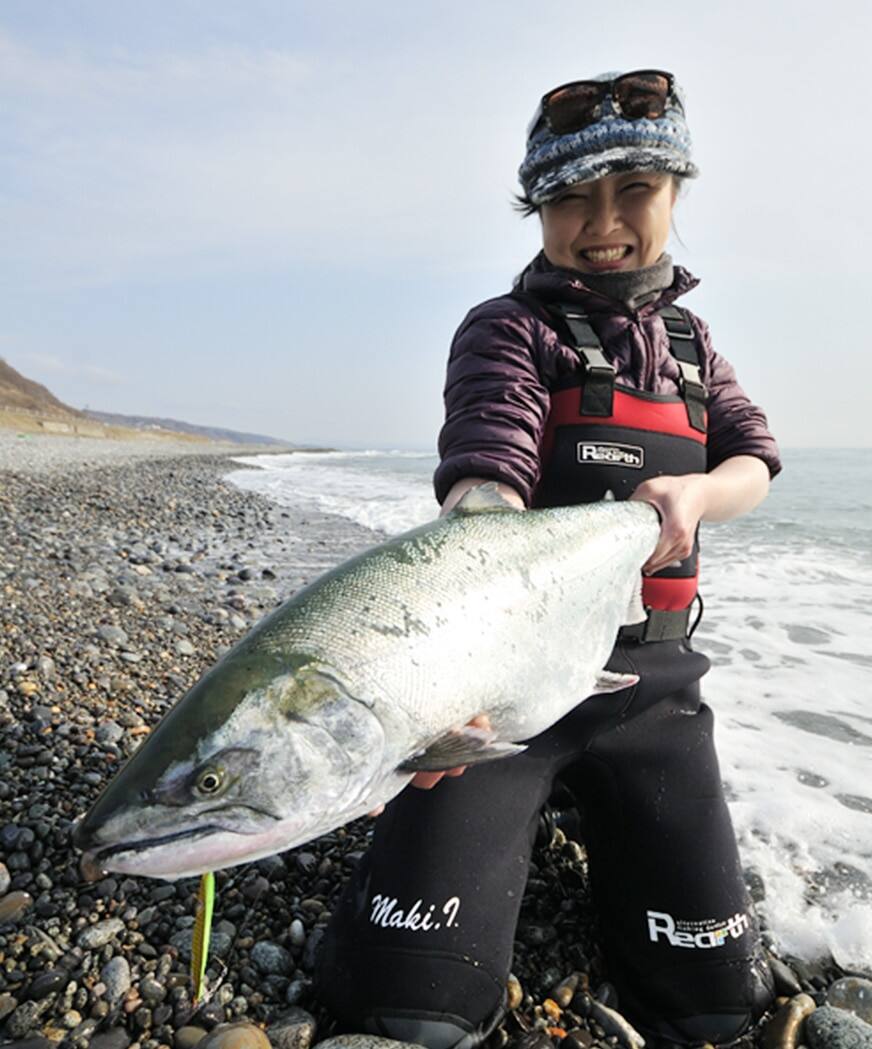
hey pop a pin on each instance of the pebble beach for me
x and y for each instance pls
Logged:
(127, 569)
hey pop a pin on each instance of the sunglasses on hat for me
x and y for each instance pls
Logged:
(640, 95)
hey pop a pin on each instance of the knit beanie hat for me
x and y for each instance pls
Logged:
(609, 145)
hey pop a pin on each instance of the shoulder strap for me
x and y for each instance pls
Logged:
(598, 390)
(688, 355)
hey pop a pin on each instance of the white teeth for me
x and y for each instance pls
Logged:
(605, 254)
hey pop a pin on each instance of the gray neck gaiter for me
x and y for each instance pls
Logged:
(633, 287)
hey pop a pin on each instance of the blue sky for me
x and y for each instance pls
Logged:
(273, 215)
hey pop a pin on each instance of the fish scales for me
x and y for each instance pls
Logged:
(314, 717)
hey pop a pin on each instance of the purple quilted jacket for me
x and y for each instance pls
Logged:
(505, 358)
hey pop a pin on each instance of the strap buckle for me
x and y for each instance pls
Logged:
(660, 625)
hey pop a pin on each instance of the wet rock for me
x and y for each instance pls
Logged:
(829, 1028)
(371, 1041)
(116, 975)
(616, 1026)
(297, 933)
(117, 1038)
(100, 934)
(271, 959)
(785, 979)
(564, 991)
(187, 1037)
(30, 1043)
(528, 1040)
(295, 991)
(235, 1036)
(7, 1004)
(514, 992)
(152, 991)
(13, 905)
(219, 943)
(313, 946)
(48, 983)
(4, 879)
(853, 994)
(294, 1029)
(577, 1038)
(784, 1030)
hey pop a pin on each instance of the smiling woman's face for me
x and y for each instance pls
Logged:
(620, 222)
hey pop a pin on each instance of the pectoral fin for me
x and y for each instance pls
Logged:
(466, 746)
(482, 499)
(607, 681)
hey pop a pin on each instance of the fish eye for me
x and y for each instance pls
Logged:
(210, 781)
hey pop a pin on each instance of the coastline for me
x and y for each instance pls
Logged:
(126, 572)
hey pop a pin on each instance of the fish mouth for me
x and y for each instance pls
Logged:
(91, 863)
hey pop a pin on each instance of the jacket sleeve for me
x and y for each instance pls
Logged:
(495, 405)
(735, 425)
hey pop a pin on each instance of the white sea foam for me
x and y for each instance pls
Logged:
(788, 606)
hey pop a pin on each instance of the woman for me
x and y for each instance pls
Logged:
(585, 380)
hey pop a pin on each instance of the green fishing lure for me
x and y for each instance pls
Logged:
(202, 932)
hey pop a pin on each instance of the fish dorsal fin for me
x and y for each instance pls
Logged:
(466, 746)
(483, 498)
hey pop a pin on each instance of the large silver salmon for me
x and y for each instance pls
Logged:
(330, 704)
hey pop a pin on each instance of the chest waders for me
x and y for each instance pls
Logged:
(420, 944)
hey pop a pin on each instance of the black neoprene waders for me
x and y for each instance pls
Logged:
(420, 945)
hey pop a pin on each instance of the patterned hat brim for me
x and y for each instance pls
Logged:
(550, 182)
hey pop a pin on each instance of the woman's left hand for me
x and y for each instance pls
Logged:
(681, 502)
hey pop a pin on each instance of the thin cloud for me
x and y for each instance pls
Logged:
(52, 364)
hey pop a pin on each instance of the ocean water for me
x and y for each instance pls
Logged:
(788, 627)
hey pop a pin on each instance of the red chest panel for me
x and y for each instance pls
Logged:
(646, 435)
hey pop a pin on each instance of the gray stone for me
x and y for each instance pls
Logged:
(219, 943)
(109, 732)
(4, 879)
(295, 991)
(25, 1018)
(184, 647)
(853, 994)
(294, 1029)
(829, 1028)
(272, 959)
(100, 934)
(297, 933)
(7, 1005)
(152, 990)
(116, 975)
(112, 635)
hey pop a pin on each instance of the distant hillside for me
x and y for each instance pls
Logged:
(213, 433)
(19, 393)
